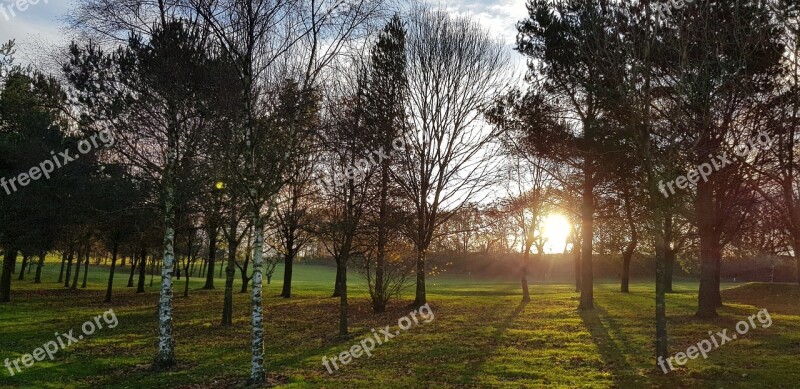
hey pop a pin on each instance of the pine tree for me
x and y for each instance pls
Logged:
(385, 96)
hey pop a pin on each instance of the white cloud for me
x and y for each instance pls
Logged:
(40, 29)
(498, 16)
(37, 30)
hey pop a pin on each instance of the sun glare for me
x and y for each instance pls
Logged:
(556, 230)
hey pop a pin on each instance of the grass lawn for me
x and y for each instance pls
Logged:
(481, 337)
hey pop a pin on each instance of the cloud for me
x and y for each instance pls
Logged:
(38, 28)
(498, 16)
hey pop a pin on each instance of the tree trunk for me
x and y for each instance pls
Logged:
(379, 300)
(142, 271)
(230, 272)
(587, 234)
(576, 253)
(23, 267)
(707, 301)
(243, 270)
(61, 272)
(257, 360)
(212, 257)
(288, 261)
(343, 307)
(186, 285)
(85, 270)
(69, 266)
(39, 266)
(165, 357)
(5, 279)
(114, 250)
(526, 297)
(670, 270)
(627, 255)
(626, 271)
(337, 288)
(421, 296)
(669, 255)
(152, 270)
(133, 271)
(717, 273)
(661, 302)
(77, 270)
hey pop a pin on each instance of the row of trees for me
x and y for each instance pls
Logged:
(261, 127)
(623, 103)
(235, 120)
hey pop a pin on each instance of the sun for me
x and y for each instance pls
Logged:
(556, 229)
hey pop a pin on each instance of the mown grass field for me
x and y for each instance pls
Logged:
(481, 337)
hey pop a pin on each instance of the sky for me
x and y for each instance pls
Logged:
(41, 26)
(40, 31)
(33, 26)
(499, 16)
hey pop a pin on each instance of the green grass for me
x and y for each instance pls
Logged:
(481, 337)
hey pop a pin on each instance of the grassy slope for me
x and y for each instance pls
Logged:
(481, 337)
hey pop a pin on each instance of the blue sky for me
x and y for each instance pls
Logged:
(41, 27)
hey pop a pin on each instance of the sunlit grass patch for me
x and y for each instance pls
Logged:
(481, 337)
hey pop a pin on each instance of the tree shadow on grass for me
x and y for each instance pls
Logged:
(457, 341)
(610, 348)
(481, 291)
(323, 339)
(499, 331)
(503, 328)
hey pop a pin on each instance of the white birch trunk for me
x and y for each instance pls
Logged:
(257, 368)
(166, 345)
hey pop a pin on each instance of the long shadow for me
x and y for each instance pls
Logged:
(613, 356)
(503, 328)
(674, 301)
(480, 291)
(331, 345)
(499, 331)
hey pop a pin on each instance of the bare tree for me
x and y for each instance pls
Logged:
(528, 204)
(782, 189)
(454, 70)
(291, 228)
(398, 265)
(347, 199)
